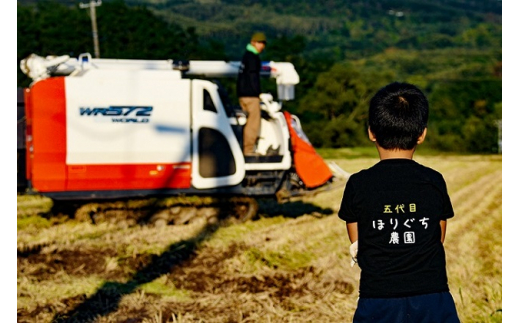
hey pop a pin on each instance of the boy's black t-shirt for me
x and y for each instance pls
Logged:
(398, 205)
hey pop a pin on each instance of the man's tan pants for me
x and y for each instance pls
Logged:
(251, 105)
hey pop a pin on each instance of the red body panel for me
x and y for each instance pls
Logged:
(46, 112)
(47, 142)
(121, 177)
(28, 134)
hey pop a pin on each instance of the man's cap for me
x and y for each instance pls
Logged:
(259, 37)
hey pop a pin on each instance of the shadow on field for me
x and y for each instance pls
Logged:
(292, 209)
(106, 300)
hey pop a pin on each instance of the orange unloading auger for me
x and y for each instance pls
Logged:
(310, 167)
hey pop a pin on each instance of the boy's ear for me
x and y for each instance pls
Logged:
(371, 136)
(422, 136)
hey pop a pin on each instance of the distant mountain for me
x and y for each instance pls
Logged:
(341, 29)
(335, 29)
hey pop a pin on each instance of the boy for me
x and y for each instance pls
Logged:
(396, 214)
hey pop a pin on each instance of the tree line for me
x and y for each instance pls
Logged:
(341, 63)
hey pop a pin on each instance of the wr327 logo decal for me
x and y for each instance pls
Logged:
(120, 114)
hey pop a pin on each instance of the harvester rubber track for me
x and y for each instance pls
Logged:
(161, 211)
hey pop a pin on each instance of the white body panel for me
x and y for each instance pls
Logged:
(219, 121)
(157, 136)
(274, 133)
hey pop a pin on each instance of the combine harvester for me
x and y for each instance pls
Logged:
(146, 141)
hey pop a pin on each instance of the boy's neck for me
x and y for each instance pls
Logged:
(394, 154)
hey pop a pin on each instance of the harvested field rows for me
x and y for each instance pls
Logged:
(290, 265)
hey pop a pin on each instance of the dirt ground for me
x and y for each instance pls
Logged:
(200, 273)
(216, 293)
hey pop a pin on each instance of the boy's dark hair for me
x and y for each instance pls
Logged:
(398, 115)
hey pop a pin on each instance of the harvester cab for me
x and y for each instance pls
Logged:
(112, 129)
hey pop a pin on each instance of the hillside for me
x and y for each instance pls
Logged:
(336, 29)
(343, 51)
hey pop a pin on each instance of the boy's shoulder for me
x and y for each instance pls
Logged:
(397, 168)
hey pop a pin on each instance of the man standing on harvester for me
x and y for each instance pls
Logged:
(248, 90)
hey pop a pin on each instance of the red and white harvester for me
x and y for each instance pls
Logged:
(147, 139)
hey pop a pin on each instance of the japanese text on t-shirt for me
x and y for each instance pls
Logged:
(396, 220)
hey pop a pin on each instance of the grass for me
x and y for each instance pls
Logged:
(347, 153)
(289, 265)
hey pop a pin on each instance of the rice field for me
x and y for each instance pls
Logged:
(291, 264)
